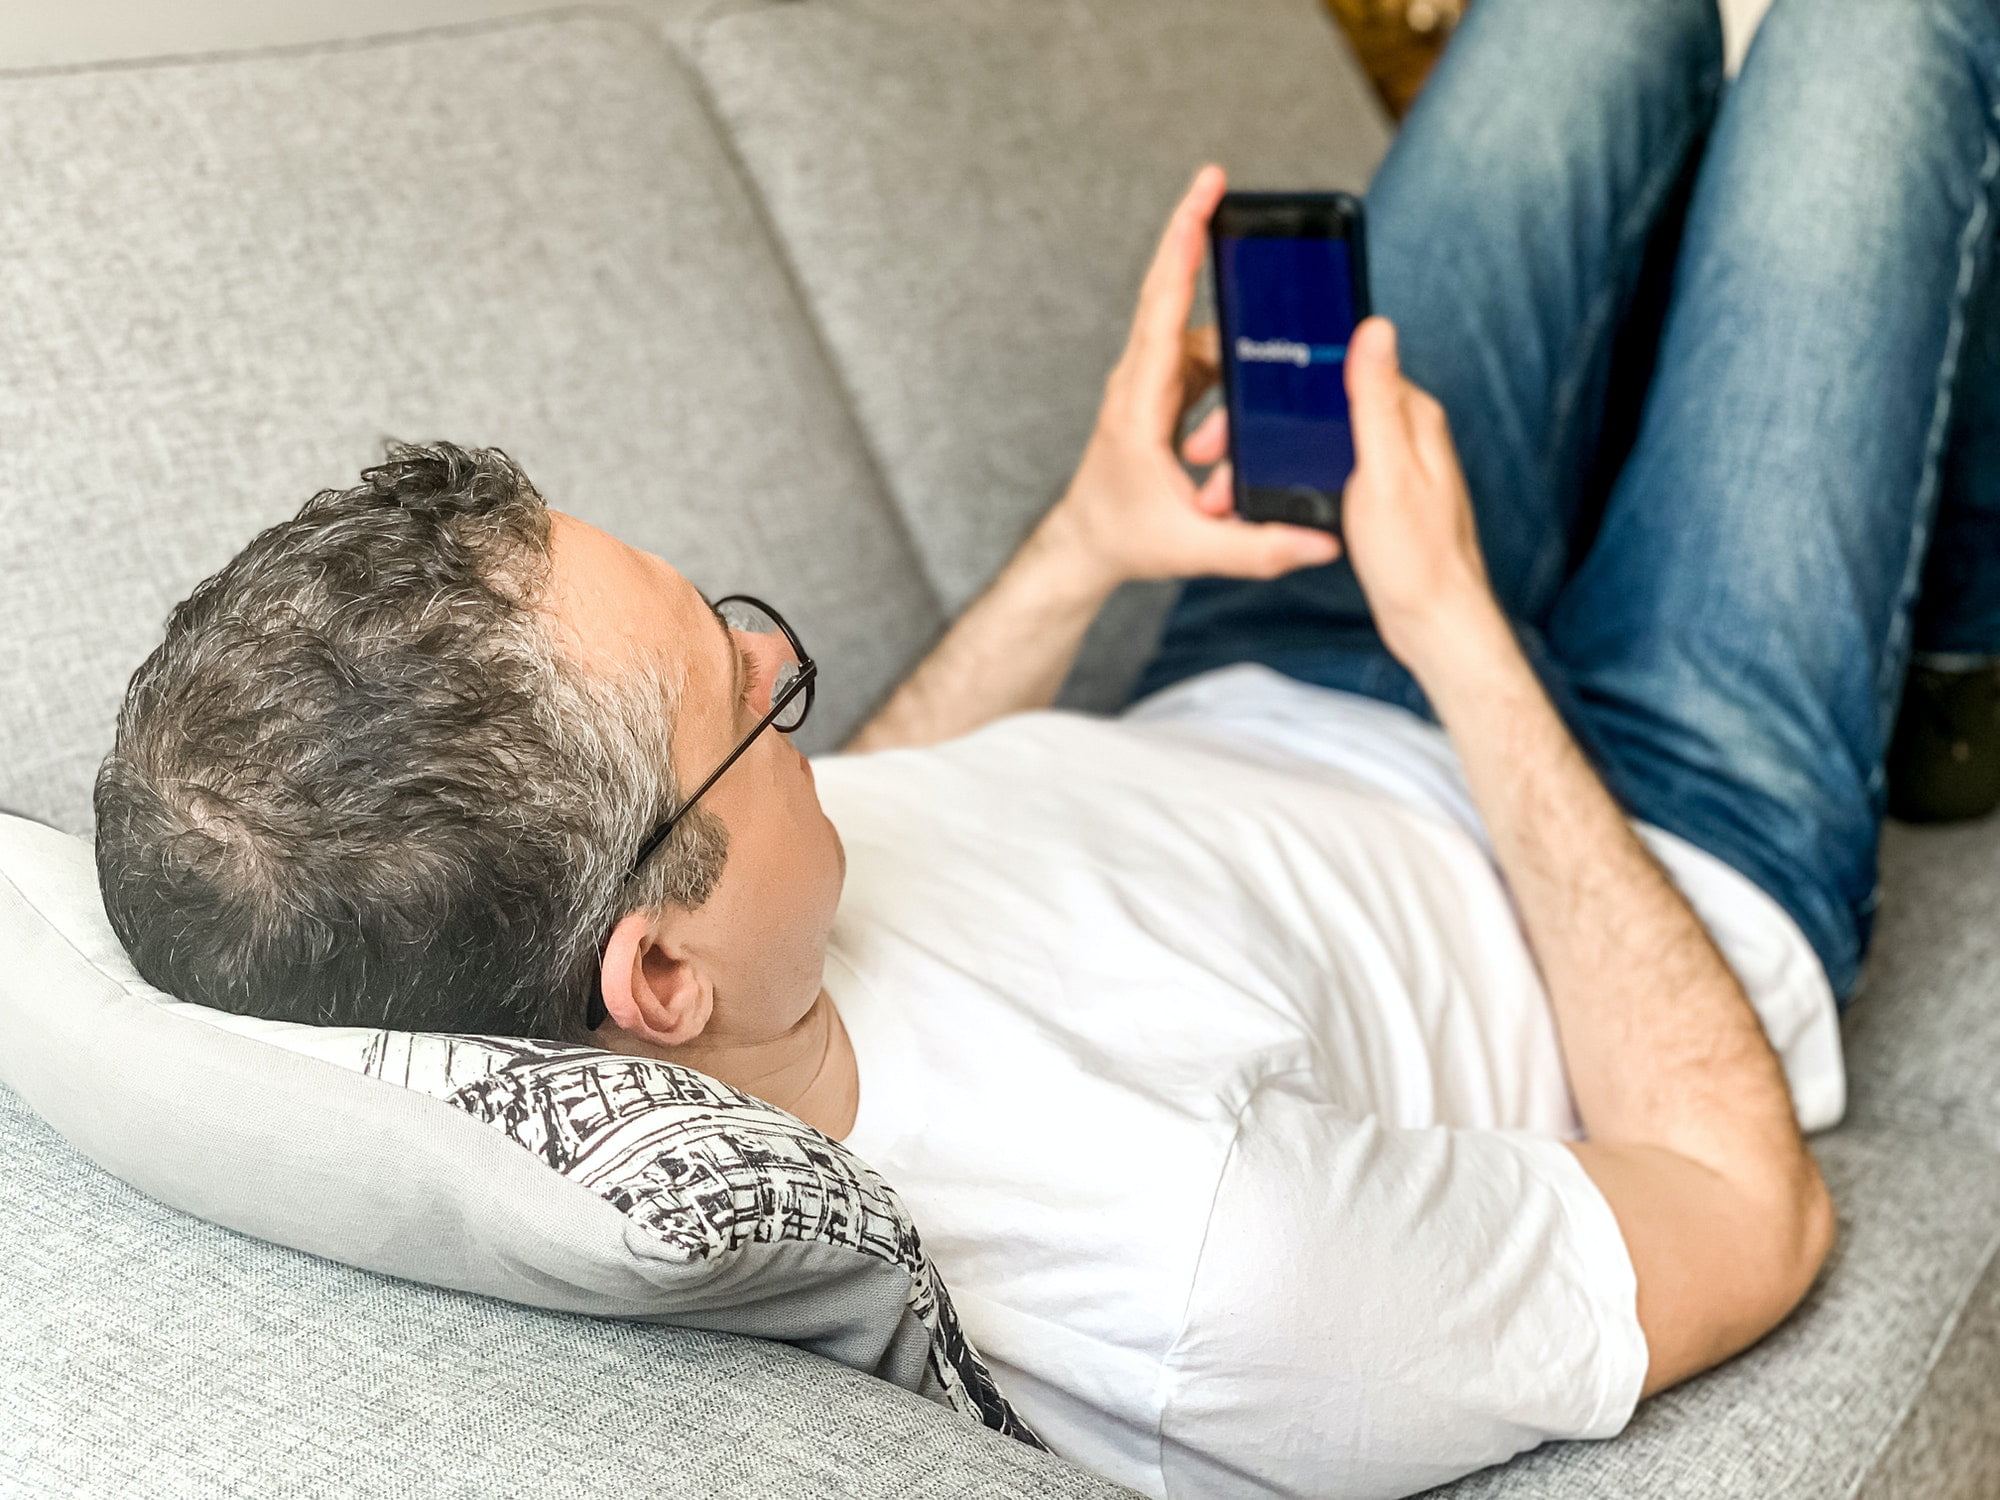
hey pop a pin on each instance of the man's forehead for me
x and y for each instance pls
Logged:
(615, 604)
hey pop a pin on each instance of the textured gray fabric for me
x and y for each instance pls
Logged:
(109, 30)
(44, 33)
(970, 192)
(1923, 1033)
(147, 1353)
(1950, 1443)
(1805, 1414)
(235, 278)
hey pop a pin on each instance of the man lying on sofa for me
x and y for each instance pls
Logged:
(1298, 1096)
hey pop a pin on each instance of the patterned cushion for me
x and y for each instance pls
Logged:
(723, 1211)
(704, 1167)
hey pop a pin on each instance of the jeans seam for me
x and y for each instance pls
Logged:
(1901, 619)
(1598, 324)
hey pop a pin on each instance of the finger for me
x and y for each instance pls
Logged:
(1209, 440)
(1217, 495)
(1264, 549)
(1375, 394)
(1201, 358)
(1200, 365)
(1431, 430)
(1167, 292)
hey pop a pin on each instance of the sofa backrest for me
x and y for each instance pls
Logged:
(231, 280)
(813, 299)
(969, 193)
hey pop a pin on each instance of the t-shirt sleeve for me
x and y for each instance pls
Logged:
(1377, 1310)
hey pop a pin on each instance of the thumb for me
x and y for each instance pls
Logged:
(1374, 390)
(1265, 549)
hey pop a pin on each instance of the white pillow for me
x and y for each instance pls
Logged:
(538, 1172)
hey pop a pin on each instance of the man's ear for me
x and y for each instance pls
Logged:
(649, 988)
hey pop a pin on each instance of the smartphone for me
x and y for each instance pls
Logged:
(1291, 281)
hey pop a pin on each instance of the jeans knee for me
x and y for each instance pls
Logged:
(1530, 87)
(1881, 106)
(1575, 44)
(1866, 39)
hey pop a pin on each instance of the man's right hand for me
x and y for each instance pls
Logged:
(1407, 515)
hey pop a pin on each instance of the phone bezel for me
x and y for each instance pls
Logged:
(1279, 215)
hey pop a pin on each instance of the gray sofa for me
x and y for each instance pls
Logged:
(813, 297)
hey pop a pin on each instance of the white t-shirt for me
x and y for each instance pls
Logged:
(1205, 1048)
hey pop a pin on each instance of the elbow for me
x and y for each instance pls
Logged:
(1785, 1242)
(1802, 1226)
(1721, 1260)
(1819, 1225)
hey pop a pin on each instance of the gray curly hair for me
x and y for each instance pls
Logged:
(360, 783)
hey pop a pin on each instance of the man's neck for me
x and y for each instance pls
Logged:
(808, 1070)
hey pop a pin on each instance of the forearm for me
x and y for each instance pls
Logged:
(1692, 1138)
(1008, 652)
(1662, 1044)
(1692, 1135)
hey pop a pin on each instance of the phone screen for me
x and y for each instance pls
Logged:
(1288, 304)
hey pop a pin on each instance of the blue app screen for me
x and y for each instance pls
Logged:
(1289, 309)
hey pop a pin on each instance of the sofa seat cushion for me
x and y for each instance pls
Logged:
(144, 1351)
(236, 277)
(1923, 1033)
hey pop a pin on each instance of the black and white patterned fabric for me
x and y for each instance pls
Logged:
(702, 1167)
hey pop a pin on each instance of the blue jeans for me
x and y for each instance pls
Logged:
(1699, 347)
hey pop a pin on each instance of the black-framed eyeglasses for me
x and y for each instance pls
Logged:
(791, 700)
